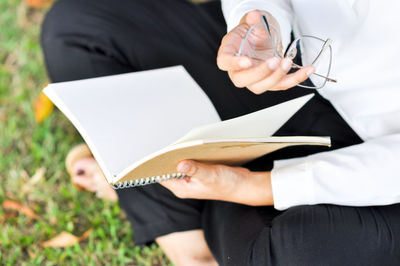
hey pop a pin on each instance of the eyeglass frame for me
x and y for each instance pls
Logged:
(327, 44)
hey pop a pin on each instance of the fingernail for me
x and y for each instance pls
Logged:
(273, 63)
(310, 71)
(80, 172)
(183, 167)
(244, 63)
(286, 64)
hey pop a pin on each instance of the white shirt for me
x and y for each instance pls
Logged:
(366, 63)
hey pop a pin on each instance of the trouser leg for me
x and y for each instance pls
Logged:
(332, 235)
(305, 235)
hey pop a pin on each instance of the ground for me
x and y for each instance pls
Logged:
(28, 148)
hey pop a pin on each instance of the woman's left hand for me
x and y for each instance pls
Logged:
(221, 182)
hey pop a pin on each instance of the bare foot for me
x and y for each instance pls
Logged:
(87, 174)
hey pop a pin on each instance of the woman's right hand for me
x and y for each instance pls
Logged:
(271, 74)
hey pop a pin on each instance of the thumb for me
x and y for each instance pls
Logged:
(193, 169)
(253, 17)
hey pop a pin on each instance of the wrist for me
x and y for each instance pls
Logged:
(262, 189)
(254, 189)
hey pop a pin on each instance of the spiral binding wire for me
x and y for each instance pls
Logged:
(147, 180)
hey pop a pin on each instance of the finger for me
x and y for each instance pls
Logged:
(228, 61)
(227, 58)
(182, 188)
(244, 78)
(295, 78)
(174, 184)
(272, 80)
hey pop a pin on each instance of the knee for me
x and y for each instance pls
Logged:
(61, 16)
(326, 234)
(300, 235)
(71, 21)
(72, 33)
(315, 235)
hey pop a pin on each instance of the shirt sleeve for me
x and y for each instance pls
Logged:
(361, 175)
(281, 10)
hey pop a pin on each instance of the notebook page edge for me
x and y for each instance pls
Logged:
(50, 92)
(228, 126)
(306, 140)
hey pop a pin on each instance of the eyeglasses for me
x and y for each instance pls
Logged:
(261, 42)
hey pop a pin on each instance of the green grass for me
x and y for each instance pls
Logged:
(26, 146)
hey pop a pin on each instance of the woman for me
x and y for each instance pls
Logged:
(274, 211)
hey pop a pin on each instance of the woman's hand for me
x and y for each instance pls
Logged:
(258, 77)
(220, 182)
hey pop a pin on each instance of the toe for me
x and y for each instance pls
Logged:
(83, 173)
(85, 182)
(83, 166)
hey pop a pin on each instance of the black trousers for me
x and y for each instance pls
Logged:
(83, 39)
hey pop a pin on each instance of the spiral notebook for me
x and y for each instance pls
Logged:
(140, 125)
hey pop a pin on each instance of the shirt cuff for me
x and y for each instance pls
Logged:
(246, 6)
(292, 183)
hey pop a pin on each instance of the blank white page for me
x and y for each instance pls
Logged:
(126, 117)
(263, 123)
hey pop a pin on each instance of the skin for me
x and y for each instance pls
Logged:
(258, 77)
(220, 182)
(92, 179)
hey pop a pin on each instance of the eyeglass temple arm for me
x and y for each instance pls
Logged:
(268, 29)
(319, 75)
(324, 47)
(266, 25)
